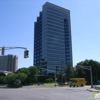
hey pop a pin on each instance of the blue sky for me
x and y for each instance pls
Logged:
(17, 19)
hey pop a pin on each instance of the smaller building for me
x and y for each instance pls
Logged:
(9, 63)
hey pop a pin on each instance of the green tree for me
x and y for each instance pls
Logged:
(2, 79)
(69, 73)
(61, 78)
(23, 70)
(27, 75)
(49, 80)
(80, 73)
(21, 76)
(65, 74)
(33, 74)
(95, 70)
(10, 79)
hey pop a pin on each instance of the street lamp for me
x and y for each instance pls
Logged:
(85, 67)
(61, 74)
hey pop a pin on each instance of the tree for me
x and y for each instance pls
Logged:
(95, 70)
(10, 79)
(2, 79)
(21, 76)
(49, 80)
(61, 78)
(80, 73)
(23, 70)
(29, 74)
(33, 73)
(69, 73)
(65, 74)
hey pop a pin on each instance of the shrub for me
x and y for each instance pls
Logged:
(49, 80)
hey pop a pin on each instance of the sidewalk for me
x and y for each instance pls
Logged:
(93, 90)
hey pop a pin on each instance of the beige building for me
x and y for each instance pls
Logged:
(9, 63)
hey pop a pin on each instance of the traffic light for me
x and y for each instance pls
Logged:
(3, 50)
(26, 54)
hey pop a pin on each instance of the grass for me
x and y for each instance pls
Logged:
(45, 84)
(37, 85)
(48, 85)
(97, 88)
(3, 84)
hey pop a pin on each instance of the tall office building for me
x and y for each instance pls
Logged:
(9, 63)
(52, 37)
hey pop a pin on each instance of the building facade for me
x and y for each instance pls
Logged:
(9, 63)
(52, 38)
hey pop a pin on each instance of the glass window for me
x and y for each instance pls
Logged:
(55, 29)
(52, 18)
(52, 10)
(59, 35)
(55, 15)
(55, 22)
(55, 25)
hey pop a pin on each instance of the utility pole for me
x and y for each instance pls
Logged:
(96, 76)
(91, 77)
(61, 74)
(61, 77)
(55, 79)
(88, 68)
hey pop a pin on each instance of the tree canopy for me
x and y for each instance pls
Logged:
(86, 73)
(26, 75)
(80, 72)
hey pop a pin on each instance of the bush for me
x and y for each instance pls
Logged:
(2, 79)
(49, 80)
(14, 86)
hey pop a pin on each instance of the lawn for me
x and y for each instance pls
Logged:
(97, 88)
(48, 85)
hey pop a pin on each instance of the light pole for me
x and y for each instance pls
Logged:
(86, 67)
(61, 74)
(55, 79)
(91, 77)
(96, 76)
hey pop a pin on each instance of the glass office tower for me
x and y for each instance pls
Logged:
(52, 38)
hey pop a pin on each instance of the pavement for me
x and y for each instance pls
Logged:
(88, 88)
(47, 93)
(93, 90)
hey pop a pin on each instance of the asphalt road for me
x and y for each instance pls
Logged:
(44, 93)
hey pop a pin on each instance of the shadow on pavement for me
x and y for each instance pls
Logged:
(5, 87)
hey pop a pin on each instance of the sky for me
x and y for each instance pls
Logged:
(17, 19)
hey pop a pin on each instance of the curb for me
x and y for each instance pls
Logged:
(93, 90)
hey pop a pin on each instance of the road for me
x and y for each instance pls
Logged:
(45, 93)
